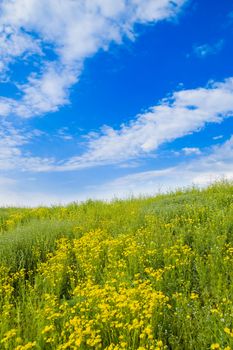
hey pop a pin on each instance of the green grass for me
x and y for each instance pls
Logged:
(144, 273)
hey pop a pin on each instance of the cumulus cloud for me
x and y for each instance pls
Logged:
(73, 30)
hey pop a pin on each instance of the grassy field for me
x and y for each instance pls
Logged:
(148, 273)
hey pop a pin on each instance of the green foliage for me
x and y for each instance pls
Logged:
(145, 273)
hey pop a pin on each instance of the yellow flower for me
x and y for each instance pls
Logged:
(227, 330)
(47, 329)
(215, 346)
(27, 346)
(8, 335)
(194, 296)
(159, 343)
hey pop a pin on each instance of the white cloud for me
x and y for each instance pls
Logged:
(10, 143)
(47, 93)
(202, 171)
(191, 151)
(74, 30)
(12, 155)
(15, 43)
(185, 112)
(41, 95)
(218, 164)
(208, 49)
(64, 134)
(218, 137)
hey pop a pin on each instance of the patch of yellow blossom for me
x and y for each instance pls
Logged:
(228, 331)
(27, 346)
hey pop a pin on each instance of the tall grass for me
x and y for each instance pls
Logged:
(146, 273)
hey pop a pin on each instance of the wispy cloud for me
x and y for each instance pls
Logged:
(191, 151)
(218, 137)
(74, 30)
(14, 43)
(12, 153)
(185, 112)
(217, 165)
(208, 49)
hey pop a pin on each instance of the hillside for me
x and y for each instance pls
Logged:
(146, 273)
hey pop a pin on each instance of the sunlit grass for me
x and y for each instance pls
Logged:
(147, 273)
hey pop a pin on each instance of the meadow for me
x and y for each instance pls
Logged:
(144, 273)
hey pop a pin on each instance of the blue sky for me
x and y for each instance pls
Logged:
(103, 99)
